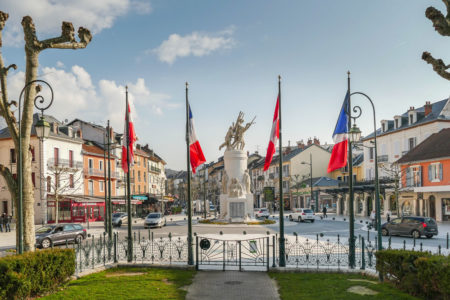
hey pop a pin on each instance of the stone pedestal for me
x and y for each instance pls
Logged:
(236, 206)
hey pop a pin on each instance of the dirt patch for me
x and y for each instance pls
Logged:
(363, 280)
(361, 290)
(118, 274)
(167, 281)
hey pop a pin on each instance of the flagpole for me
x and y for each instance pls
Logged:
(351, 253)
(130, 241)
(189, 205)
(109, 183)
(281, 217)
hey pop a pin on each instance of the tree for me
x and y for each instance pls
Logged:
(442, 25)
(63, 179)
(295, 181)
(395, 172)
(33, 47)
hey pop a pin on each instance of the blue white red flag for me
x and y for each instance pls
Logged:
(339, 153)
(196, 153)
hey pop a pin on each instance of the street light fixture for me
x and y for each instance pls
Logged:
(316, 206)
(39, 103)
(354, 134)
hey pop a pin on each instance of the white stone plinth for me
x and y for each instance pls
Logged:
(235, 162)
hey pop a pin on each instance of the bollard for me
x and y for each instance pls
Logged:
(447, 240)
(389, 242)
(368, 235)
(240, 259)
(439, 247)
(414, 241)
(273, 248)
(149, 234)
(421, 249)
(404, 245)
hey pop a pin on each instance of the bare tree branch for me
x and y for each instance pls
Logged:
(438, 65)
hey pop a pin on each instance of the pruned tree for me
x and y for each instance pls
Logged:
(63, 180)
(33, 47)
(441, 24)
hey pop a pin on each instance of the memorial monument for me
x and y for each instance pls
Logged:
(236, 199)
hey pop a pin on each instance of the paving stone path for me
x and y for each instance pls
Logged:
(227, 285)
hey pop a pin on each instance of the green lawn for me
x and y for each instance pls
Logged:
(128, 283)
(332, 286)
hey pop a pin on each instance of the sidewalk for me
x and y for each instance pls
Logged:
(227, 285)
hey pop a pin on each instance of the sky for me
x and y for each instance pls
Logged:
(231, 53)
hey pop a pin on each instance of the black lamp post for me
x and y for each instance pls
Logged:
(355, 135)
(42, 131)
(316, 208)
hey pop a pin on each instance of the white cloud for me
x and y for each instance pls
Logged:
(95, 15)
(60, 64)
(196, 44)
(76, 96)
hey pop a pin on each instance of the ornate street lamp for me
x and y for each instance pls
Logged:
(354, 134)
(44, 128)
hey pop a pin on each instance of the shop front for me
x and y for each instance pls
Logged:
(120, 205)
(75, 210)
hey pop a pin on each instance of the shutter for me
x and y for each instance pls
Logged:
(441, 167)
(420, 176)
(408, 176)
(430, 178)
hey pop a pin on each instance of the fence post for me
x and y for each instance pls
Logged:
(404, 245)
(389, 242)
(104, 248)
(240, 267)
(196, 252)
(273, 249)
(93, 251)
(115, 246)
(267, 249)
(414, 241)
(447, 240)
(223, 255)
(363, 257)
(439, 247)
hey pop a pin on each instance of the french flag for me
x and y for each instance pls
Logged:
(196, 153)
(339, 153)
(274, 136)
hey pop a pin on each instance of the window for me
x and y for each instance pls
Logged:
(139, 176)
(91, 187)
(100, 165)
(435, 172)
(33, 179)
(371, 153)
(33, 158)
(71, 181)
(411, 143)
(90, 163)
(49, 184)
(70, 159)
(411, 119)
(144, 175)
(139, 189)
(414, 176)
(12, 156)
(101, 186)
(384, 127)
(339, 178)
(56, 156)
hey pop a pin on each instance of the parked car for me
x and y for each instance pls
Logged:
(119, 218)
(302, 214)
(49, 235)
(262, 213)
(155, 219)
(212, 208)
(411, 226)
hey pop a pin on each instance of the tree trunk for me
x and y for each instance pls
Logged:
(56, 211)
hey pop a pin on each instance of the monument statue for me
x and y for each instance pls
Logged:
(235, 189)
(234, 139)
(246, 181)
(224, 183)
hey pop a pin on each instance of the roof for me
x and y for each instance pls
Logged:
(437, 113)
(319, 182)
(435, 146)
(61, 133)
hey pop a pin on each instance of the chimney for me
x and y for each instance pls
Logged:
(316, 141)
(55, 128)
(428, 108)
(309, 141)
(301, 144)
(411, 108)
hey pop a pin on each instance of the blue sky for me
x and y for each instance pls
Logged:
(231, 53)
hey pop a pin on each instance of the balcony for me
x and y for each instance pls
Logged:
(64, 163)
(155, 169)
(261, 178)
(383, 158)
(92, 172)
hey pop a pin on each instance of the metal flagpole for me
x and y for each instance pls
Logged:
(130, 241)
(109, 183)
(104, 173)
(189, 208)
(351, 249)
(281, 218)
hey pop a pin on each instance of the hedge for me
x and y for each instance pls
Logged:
(418, 273)
(35, 273)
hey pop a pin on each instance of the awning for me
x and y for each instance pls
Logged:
(123, 202)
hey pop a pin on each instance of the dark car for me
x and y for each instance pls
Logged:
(49, 235)
(411, 226)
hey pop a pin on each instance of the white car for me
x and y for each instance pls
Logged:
(302, 214)
(262, 213)
(155, 219)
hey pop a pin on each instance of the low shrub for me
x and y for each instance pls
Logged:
(264, 222)
(214, 222)
(418, 273)
(35, 273)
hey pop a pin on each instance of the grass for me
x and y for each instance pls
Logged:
(332, 286)
(117, 283)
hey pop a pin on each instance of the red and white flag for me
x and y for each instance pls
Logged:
(274, 136)
(195, 151)
(130, 136)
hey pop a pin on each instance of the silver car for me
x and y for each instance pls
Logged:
(155, 219)
(119, 218)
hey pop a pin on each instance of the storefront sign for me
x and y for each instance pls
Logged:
(139, 197)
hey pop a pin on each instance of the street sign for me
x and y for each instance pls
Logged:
(269, 193)
(205, 244)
